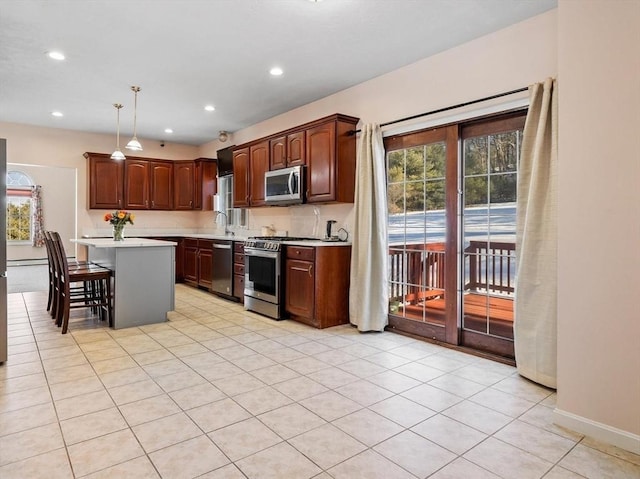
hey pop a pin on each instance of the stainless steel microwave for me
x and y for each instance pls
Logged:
(285, 186)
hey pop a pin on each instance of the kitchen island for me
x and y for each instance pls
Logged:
(144, 277)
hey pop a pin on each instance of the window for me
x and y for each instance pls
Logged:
(19, 211)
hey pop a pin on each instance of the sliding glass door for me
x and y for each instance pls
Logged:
(451, 207)
(490, 159)
(421, 225)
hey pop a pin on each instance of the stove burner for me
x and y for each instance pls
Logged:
(271, 243)
(282, 238)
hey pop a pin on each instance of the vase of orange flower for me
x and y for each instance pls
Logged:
(118, 219)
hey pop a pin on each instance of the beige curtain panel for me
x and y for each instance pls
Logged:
(369, 291)
(535, 328)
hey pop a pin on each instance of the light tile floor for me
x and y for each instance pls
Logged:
(218, 392)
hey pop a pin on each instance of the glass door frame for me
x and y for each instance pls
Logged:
(452, 331)
(449, 331)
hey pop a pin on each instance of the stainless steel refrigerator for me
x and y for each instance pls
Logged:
(3, 250)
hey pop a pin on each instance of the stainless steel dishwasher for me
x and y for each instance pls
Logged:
(222, 271)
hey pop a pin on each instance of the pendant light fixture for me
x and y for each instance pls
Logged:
(118, 155)
(134, 144)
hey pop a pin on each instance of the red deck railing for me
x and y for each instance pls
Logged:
(417, 284)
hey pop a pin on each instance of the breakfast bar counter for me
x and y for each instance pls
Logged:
(144, 277)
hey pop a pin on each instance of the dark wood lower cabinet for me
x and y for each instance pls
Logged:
(300, 297)
(317, 284)
(238, 270)
(205, 263)
(190, 261)
(198, 262)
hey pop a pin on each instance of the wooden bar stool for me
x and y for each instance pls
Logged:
(94, 291)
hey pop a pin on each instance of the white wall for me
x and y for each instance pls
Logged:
(599, 219)
(58, 207)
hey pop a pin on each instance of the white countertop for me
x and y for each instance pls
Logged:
(126, 243)
(138, 242)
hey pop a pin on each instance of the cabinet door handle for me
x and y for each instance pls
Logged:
(310, 270)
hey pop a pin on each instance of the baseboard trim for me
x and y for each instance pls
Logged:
(602, 432)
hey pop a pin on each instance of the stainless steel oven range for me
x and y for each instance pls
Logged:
(264, 274)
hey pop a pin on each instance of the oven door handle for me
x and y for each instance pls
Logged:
(261, 253)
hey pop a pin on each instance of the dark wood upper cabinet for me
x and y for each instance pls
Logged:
(259, 165)
(184, 185)
(331, 161)
(194, 184)
(296, 152)
(241, 185)
(105, 181)
(147, 183)
(326, 146)
(136, 184)
(287, 150)
(278, 150)
(321, 171)
(206, 183)
(161, 185)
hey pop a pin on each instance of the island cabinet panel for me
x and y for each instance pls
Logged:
(136, 184)
(317, 284)
(241, 178)
(238, 270)
(184, 185)
(259, 165)
(105, 182)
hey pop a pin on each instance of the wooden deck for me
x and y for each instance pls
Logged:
(482, 313)
(417, 284)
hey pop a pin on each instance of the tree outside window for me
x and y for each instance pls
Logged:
(19, 211)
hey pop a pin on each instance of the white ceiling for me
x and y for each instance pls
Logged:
(185, 54)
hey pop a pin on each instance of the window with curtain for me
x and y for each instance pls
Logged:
(19, 208)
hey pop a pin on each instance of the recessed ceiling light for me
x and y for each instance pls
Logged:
(168, 130)
(57, 113)
(56, 55)
(276, 71)
(209, 108)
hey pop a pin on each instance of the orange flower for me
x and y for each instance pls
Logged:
(108, 217)
(132, 217)
(121, 215)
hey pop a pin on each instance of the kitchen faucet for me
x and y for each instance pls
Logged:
(226, 223)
